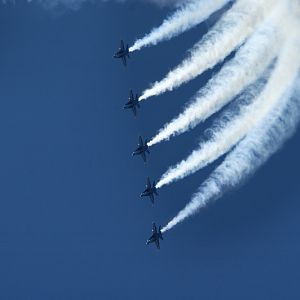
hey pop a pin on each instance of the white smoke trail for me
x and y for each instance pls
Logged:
(263, 141)
(187, 16)
(226, 135)
(236, 75)
(230, 32)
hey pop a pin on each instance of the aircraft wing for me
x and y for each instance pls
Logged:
(122, 45)
(148, 183)
(157, 244)
(134, 110)
(131, 97)
(154, 230)
(141, 143)
(144, 156)
(124, 60)
(152, 198)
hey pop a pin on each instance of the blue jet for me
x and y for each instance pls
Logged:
(150, 190)
(141, 149)
(156, 236)
(122, 53)
(133, 103)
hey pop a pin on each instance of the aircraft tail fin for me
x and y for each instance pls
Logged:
(159, 233)
(137, 100)
(147, 147)
(127, 51)
(155, 190)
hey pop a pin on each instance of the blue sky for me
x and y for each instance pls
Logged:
(72, 225)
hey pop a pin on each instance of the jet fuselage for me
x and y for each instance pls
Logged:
(130, 104)
(120, 53)
(149, 192)
(152, 239)
(140, 150)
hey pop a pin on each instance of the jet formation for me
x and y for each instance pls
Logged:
(142, 149)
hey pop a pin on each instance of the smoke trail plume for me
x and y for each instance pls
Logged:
(227, 134)
(187, 16)
(236, 75)
(263, 141)
(230, 32)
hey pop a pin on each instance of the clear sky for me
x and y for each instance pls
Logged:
(72, 225)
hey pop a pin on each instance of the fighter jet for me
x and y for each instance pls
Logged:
(150, 190)
(133, 103)
(156, 235)
(122, 53)
(141, 149)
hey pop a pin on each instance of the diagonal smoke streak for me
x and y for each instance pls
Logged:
(226, 135)
(229, 33)
(263, 141)
(236, 75)
(187, 16)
